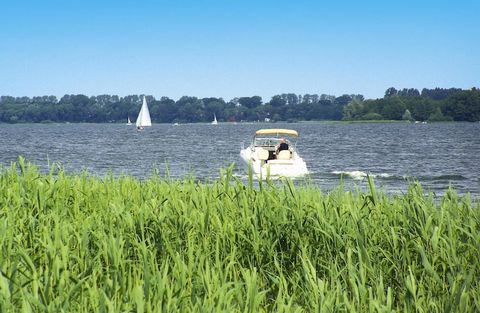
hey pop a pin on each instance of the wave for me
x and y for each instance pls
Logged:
(445, 177)
(359, 175)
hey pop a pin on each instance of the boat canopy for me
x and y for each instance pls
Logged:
(277, 131)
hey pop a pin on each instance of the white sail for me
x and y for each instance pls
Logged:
(214, 122)
(143, 118)
(128, 121)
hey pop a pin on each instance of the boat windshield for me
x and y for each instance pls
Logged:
(269, 141)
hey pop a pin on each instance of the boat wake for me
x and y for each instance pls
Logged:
(359, 175)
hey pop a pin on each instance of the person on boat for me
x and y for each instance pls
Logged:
(282, 146)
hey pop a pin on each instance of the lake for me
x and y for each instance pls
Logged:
(438, 155)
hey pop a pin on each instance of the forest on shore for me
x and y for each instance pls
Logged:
(438, 104)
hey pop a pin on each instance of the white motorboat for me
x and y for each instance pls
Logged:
(265, 159)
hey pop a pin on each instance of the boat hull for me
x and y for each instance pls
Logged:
(295, 167)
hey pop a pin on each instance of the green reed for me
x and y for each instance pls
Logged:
(80, 243)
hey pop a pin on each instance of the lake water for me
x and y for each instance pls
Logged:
(438, 155)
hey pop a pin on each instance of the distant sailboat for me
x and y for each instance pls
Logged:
(143, 119)
(129, 122)
(214, 122)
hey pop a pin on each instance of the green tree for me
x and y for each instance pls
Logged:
(423, 108)
(438, 116)
(464, 106)
(214, 106)
(391, 92)
(343, 100)
(277, 101)
(355, 109)
(250, 102)
(393, 108)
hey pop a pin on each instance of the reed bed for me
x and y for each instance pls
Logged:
(80, 243)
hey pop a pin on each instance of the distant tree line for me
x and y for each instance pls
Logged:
(112, 108)
(408, 104)
(437, 104)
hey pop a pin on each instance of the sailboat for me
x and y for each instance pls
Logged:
(128, 121)
(143, 119)
(214, 122)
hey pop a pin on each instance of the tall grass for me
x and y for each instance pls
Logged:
(79, 243)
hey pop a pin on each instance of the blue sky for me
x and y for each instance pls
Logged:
(236, 48)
